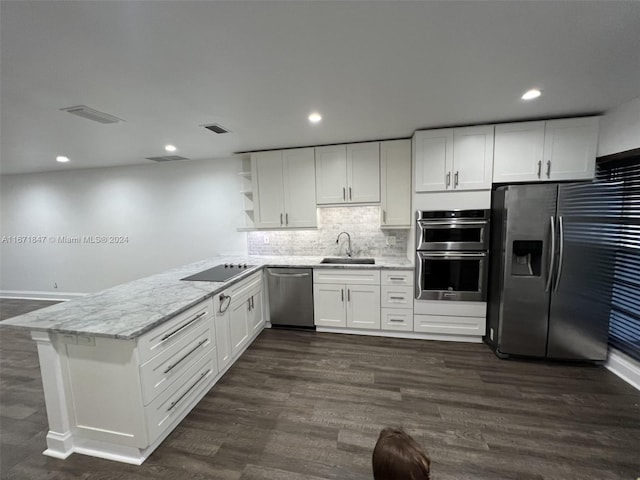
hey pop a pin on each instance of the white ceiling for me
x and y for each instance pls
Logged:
(374, 70)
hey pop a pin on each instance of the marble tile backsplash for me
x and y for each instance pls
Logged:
(362, 223)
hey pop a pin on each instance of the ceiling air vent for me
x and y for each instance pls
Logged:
(215, 128)
(91, 114)
(166, 158)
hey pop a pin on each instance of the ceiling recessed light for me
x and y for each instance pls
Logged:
(315, 117)
(170, 148)
(62, 159)
(531, 94)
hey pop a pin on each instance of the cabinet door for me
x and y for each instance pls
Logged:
(270, 197)
(329, 305)
(472, 158)
(299, 187)
(433, 151)
(223, 339)
(518, 152)
(570, 147)
(363, 306)
(256, 315)
(331, 174)
(238, 324)
(395, 183)
(363, 172)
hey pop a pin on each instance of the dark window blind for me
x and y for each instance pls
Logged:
(624, 324)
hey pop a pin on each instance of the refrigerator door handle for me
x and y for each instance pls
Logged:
(552, 221)
(561, 254)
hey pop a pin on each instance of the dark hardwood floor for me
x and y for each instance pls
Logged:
(301, 405)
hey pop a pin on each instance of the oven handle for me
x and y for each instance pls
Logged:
(452, 222)
(423, 255)
(418, 278)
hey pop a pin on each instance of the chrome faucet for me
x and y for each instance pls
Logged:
(349, 244)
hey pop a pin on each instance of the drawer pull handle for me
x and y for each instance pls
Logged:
(178, 400)
(396, 278)
(169, 335)
(396, 320)
(397, 298)
(189, 353)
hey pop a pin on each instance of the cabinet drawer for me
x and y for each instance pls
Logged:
(240, 289)
(449, 325)
(345, 275)
(397, 277)
(164, 336)
(162, 370)
(178, 399)
(450, 309)
(396, 319)
(397, 297)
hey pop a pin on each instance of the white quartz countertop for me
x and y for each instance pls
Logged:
(127, 311)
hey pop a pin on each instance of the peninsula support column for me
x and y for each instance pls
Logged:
(59, 438)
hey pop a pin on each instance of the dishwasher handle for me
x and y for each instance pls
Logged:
(290, 275)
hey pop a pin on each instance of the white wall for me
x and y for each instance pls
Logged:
(172, 213)
(620, 129)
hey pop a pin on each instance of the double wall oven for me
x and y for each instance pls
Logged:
(452, 255)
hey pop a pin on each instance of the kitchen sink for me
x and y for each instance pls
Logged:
(349, 260)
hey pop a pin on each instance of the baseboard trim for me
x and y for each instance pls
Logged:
(35, 295)
(398, 334)
(624, 367)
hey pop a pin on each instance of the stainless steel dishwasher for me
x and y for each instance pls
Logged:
(291, 297)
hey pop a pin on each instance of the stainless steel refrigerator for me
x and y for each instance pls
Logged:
(550, 278)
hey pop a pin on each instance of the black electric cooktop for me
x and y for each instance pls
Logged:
(221, 273)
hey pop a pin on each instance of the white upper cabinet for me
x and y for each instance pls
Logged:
(299, 187)
(518, 152)
(270, 189)
(363, 172)
(348, 173)
(550, 150)
(331, 174)
(454, 159)
(395, 181)
(433, 150)
(284, 192)
(472, 158)
(570, 147)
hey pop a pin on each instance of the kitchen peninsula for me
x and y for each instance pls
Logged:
(122, 367)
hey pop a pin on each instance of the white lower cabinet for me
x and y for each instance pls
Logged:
(396, 300)
(243, 306)
(465, 321)
(118, 399)
(239, 324)
(328, 305)
(223, 331)
(346, 298)
(396, 319)
(363, 306)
